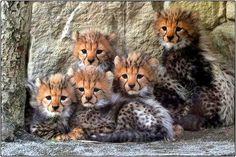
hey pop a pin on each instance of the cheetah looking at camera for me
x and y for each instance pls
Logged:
(187, 59)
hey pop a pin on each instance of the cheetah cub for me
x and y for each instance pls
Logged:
(53, 102)
(94, 88)
(94, 48)
(141, 118)
(187, 59)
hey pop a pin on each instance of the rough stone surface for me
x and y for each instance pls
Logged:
(230, 10)
(101, 149)
(207, 142)
(223, 38)
(53, 23)
(139, 32)
(15, 20)
(211, 13)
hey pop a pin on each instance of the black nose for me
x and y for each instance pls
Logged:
(131, 85)
(91, 61)
(170, 37)
(88, 98)
(55, 107)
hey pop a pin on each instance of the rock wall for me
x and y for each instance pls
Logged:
(14, 47)
(53, 23)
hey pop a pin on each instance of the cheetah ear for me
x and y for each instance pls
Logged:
(153, 62)
(194, 15)
(30, 86)
(118, 61)
(70, 72)
(38, 82)
(110, 77)
(75, 35)
(157, 15)
(111, 37)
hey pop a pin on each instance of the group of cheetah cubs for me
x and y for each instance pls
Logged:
(134, 97)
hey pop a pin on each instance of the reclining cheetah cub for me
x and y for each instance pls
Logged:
(53, 102)
(141, 119)
(94, 48)
(94, 88)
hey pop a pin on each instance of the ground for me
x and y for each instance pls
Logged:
(218, 141)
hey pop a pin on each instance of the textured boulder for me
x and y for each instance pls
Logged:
(230, 10)
(223, 38)
(14, 45)
(54, 22)
(139, 32)
(211, 13)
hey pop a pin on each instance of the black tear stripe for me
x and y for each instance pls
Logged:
(137, 78)
(97, 58)
(176, 31)
(49, 84)
(85, 57)
(84, 88)
(95, 96)
(126, 67)
(148, 79)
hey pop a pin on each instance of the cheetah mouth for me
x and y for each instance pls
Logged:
(133, 92)
(168, 45)
(88, 104)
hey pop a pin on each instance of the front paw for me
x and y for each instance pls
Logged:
(74, 134)
(178, 132)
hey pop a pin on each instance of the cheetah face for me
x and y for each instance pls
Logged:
(55, 95)
(93, 47)
(136, 73)
(176, 28)
(93, 86)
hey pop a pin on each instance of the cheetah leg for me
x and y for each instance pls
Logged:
(178, 131)
(192, 122)
(74, 134)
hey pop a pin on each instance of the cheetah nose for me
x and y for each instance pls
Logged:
(91, 60)
(131, 86)
(170, 37)
(55, 107)
(88, 98)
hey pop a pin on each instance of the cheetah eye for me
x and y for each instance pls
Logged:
(178, 29)
(124, 76)
(84, 51)
(139, 76)
(63, 98)
(96, 89)
(99, 51)
(81, 89)
(48, 97)
(164, 28)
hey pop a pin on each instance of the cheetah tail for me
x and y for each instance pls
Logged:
(128, 136)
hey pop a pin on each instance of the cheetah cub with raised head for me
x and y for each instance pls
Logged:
(94, 48)
(141, 118)
(187, 59)
(53, 101)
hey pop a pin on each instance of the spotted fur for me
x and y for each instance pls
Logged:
(188, 60)
(142, 118)
(94, 88)
(53, 101)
